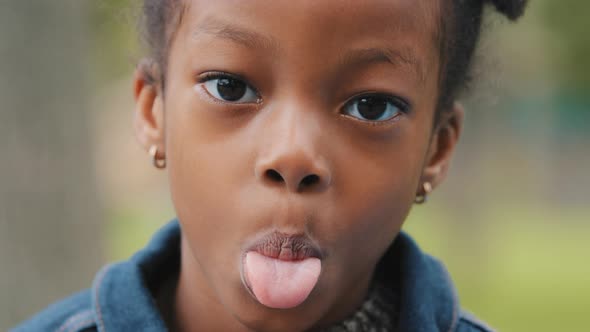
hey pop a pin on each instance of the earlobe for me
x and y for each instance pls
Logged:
(149, 112)
(442, 145)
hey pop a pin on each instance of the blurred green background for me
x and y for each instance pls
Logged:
(512, 222)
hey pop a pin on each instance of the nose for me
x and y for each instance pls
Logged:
(291, 158)
(295, 171)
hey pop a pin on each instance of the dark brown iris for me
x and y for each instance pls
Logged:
(372, 108)
(231, 89)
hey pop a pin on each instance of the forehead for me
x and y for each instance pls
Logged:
(405, 12)
(406, 30)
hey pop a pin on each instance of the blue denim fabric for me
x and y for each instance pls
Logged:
(121, 298)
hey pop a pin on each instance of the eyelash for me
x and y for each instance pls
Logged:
(212, 75)
(400, 102)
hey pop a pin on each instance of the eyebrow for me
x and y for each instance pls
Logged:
(367, 56)
(237, 34)
(354, 58)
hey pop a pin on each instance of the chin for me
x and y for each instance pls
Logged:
(257, 317)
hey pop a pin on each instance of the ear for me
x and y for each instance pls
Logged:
(148, 119)
(442, 145)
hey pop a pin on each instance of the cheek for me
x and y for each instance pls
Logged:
(206, 165)
(375, 187)
(372, 210)
(366, 214)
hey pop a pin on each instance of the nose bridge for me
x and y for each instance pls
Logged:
(298, 129)
(293, 158)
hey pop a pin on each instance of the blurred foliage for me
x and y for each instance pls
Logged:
(116, 42)
(568, 21)
(515, 268)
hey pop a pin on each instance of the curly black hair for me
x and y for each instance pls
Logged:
(460, 28)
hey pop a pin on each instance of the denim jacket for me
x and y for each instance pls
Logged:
(121, 299)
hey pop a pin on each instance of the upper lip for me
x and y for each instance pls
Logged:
(288, 247)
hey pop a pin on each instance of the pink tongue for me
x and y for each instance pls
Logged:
(281, 284)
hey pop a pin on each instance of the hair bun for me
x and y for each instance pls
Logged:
(513, 9)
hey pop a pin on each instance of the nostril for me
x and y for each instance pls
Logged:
(310, 180)
(274, 175)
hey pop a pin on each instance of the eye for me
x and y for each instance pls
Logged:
(375, 108)
(229, 89)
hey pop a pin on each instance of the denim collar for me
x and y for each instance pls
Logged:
(122, 293)
(427, 298)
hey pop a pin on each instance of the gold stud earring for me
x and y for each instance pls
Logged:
(159, 161)
(422, 198)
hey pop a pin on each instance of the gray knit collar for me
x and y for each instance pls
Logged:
(376, 314)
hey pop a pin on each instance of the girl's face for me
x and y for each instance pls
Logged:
(307, 118)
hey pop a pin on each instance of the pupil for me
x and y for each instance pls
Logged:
(372, 108)
(231, 89)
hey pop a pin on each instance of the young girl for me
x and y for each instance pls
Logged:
(297, 135)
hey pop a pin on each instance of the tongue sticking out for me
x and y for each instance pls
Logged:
(281, 284)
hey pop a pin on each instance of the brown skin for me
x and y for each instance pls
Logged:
(218, 153)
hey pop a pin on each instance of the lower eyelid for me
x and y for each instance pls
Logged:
(200, 89)
(383, 123)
